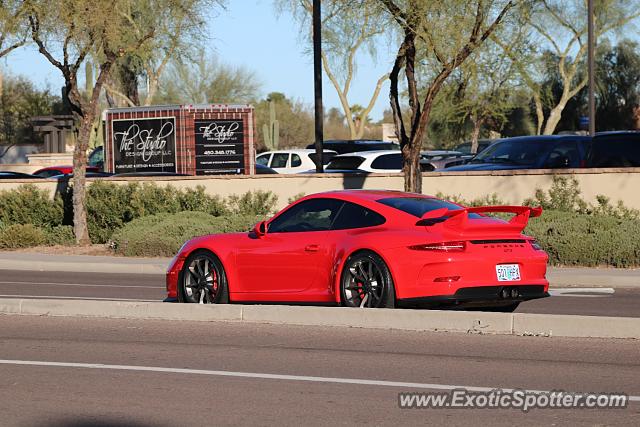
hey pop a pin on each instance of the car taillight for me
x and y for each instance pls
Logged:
(441, 247)
(535, 245)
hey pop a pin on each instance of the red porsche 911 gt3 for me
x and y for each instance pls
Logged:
(362, 248)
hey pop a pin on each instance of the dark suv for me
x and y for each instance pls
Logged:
(342, 146)
(614, 150)
(530, 152)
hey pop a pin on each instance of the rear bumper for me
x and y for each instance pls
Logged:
(479, 296)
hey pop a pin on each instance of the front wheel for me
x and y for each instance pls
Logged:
(203, 280)
(366, 282)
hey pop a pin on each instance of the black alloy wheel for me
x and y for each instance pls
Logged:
(366, 282)
(203, 280)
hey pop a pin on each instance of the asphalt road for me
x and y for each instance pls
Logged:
(35, 284)
(147, 388)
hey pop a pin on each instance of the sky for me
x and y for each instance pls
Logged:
(250, 33)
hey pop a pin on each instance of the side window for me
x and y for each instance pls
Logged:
(564, 155)
(295, 160)
(388, 161)
(279, 160)
(263, 159)
(356, 216)
(310, 215)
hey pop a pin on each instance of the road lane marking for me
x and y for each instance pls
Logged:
(578, 292)
(78, 298)
(255, 375)
(80, 285)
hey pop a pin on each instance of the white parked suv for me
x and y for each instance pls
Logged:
(292, 161)
(381, 161)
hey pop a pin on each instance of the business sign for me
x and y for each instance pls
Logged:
(144, 145)
(219, 146)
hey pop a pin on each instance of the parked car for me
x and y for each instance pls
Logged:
(52, 171)
(381, 161)
(465, 147)
(439, 159)
(89, 174)
(96, 158)
(356, 145)
(293, 161)
(261, 170)
(614, 150)
(531, 152)
(385, 240)
(16, 175)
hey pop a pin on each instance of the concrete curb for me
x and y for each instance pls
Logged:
(409, 320)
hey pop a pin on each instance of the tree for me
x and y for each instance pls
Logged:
(296, 120)
(177, 30)
(13, 31)
(348, 28)
(208, 81)
(562, 26)
(617, 85)
(446, 33)
(19, 102)
(73, 30)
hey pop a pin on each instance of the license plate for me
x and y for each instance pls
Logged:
(508, 272)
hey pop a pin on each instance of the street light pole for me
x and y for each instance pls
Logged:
(317, 83)
(591, 61)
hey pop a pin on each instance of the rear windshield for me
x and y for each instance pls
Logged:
(326, 157)
(347, 162)
(418, 206)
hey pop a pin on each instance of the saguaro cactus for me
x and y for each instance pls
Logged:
(272, 130)
(88, 81)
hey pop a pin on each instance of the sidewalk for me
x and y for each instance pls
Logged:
(558, 277)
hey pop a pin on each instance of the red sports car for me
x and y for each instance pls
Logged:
(362, 248)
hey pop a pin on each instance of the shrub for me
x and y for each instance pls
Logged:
(252, 203)
(163, 234)
(110, 206)
(60, 235)
(564, 195)
(571, 238)
(21, 236)
(490, 200)
(29, 205)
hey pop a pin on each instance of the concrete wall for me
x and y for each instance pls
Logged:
(511, 186)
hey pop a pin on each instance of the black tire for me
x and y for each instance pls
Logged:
(366, 282)
(203, 280)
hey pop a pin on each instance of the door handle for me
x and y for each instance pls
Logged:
(312, 248)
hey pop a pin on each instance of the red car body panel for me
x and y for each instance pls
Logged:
(307, 266)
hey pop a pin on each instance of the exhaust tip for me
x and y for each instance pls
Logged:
(504, 293)
(514, 293)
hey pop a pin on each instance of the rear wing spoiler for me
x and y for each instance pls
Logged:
(459, 218)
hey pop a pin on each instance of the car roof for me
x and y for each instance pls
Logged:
(365, 154)
(548, 138)
(297, 151)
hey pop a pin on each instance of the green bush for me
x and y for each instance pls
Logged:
(29, 205)
(588, 240)
(252, 203)
(60, 235)
(21, 236)
(163, 234)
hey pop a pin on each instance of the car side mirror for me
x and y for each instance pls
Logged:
(260, 229)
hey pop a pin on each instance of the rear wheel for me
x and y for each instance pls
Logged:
(366, 282)
(203, 280)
